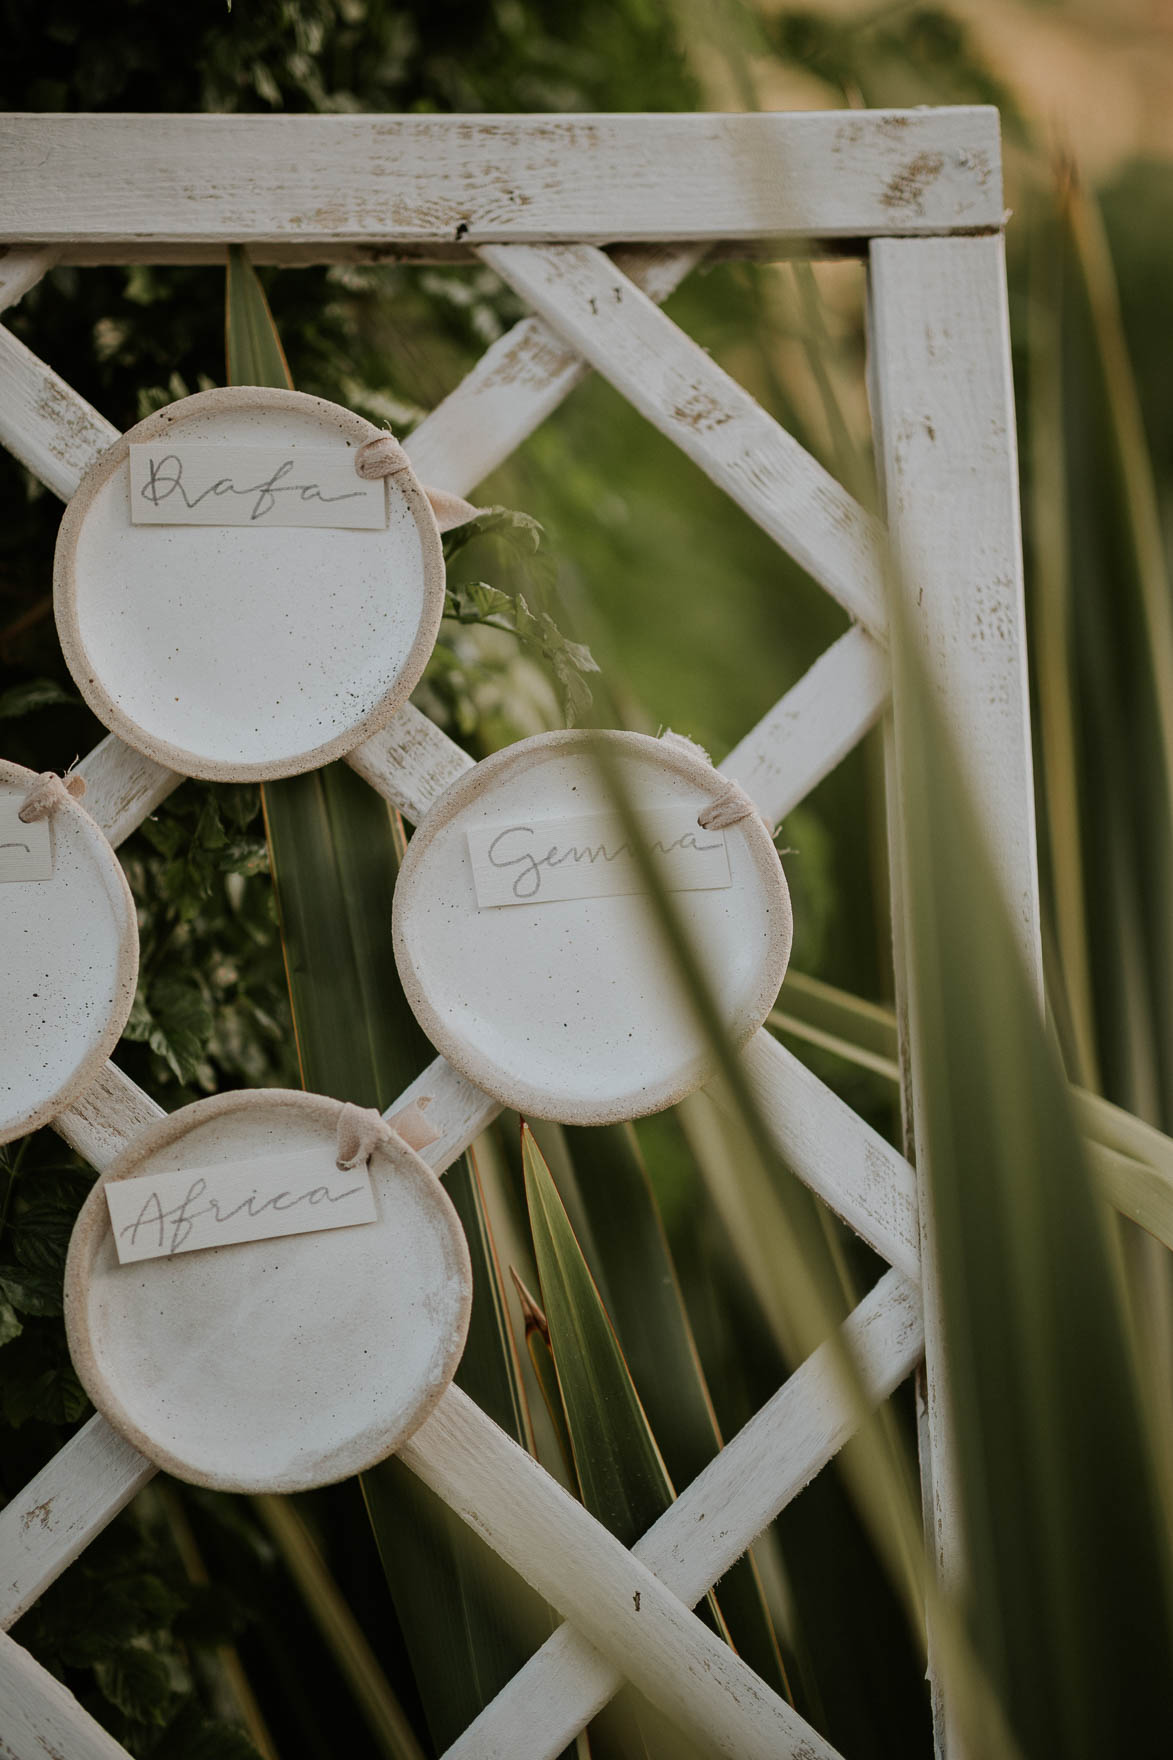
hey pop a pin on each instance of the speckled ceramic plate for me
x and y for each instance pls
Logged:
(68, 965)
(570, 1009)
(237, 653)
(281, 1364)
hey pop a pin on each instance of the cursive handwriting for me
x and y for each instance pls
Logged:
(26, 847)
(165, 478)
(173, 1226)
(528, 883)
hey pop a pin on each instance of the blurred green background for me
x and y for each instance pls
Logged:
(200, 1625)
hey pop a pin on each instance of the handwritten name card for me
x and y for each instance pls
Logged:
(26, 851)
(589, 856)
(160, 1214)
(191, 484)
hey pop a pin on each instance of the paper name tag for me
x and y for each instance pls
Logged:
(26, 851)
(159, 1214)
(190, 484)
(539, 861)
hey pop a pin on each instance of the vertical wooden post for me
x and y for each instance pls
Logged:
(943, 414)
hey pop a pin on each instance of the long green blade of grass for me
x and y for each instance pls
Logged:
(334, 851)
(1066, 1533)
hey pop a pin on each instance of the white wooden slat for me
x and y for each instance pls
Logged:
(684, 393)
(42, 1719)
(92, 179)
(706, 1530)
(410, 763)
(109, 1115)
(20, 270)
(520, 381)
(456, 1110)
(943, 411)
(53, 431)
(123, 787)
(48, 1524)
(813, 727)
(860, 1176)
(614, 1601)
(944, 415)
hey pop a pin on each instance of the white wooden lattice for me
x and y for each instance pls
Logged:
(919, 195)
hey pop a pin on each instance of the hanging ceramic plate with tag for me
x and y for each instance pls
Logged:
(275, 1323)
(530, 954)
(233, 598)
(68, 955)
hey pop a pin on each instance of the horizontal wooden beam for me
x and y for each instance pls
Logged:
(465, 180)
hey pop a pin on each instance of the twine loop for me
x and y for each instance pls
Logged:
(730, 805)
(48, 793)
(362, 1129)
(381, 457)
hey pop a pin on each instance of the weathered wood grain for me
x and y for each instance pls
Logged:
(698, 1537)
(614, 1600)
(123, 786)
(863, 1178)
(45, 1527)
(943, 412)
(410, 763)
(53, 431)
(813, 727)
(683, 392)
(93, 180)
(42, 1719)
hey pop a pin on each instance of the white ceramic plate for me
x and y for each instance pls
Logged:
(570, 1009)
(69, 961)
(271, 1365)
(241, 654)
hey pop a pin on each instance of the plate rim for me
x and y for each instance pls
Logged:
(126, 976)
(93, 1224)
(522, 1096)
(86, 676)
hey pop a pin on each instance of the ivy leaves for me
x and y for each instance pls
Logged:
(475, 602)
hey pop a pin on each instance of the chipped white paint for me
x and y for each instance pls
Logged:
(52, 430)
(245, 655)
(213, 1364)
(711, 1523)
(574, 1010)
(42, 1719)
(68, 959)
(943, 412)
(123, 786)
(410, 762)
(683, 392)
(48, 1524)
(95, 180)
(861, 1176)
(614, 1600)
(813, 727)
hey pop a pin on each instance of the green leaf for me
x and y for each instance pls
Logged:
(629, 1257)
(255, 355)
(621, 1472)
(1066, 1529)
(38, 693)
(178, 1026)
(334, 858)
(10, 1326)
(31, 1289)
(138, 1682)
(517, 529)
(570, 662)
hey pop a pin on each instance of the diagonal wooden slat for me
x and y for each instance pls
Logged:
(684, 393)
(20, 270)
(42, 1719)
(698, 1537)
(813, 727)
